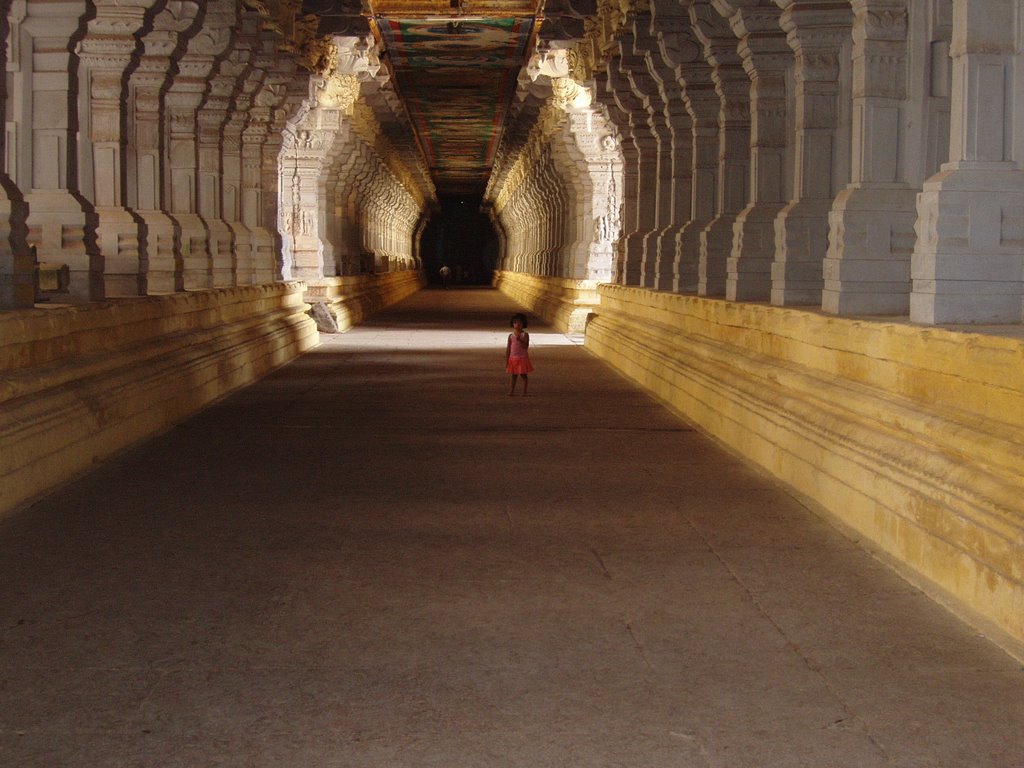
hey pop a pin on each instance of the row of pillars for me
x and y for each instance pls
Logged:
(863, 157)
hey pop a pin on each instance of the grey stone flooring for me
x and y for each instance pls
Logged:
(374, 557)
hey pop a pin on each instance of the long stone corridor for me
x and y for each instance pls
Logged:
(375, 558)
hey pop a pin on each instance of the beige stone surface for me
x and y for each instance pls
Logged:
(79, 383)
(911, 436)
(374, 557)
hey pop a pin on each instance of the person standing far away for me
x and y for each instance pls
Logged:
(517, 353)
(446, 275)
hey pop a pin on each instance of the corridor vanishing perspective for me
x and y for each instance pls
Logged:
(796, 225)
(374, 557)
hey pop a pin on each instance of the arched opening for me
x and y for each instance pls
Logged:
(461, 236)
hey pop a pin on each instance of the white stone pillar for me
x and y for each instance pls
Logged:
(641, 171)
(184, 98)
(162, 46)
(968, 263)
(871, 224)
(671, 24)
(732, 86)
(646, 86)
(17, 266)
(109, 50)
(820, 36)
(768, 60)
(703, 104)
(61, 222)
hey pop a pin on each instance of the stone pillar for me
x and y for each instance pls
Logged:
(162, 47)
(108, 53)
(183, 100)
(767, 59)
(640, 151)
(214, 140)
(968, 265)
(871, 225)
(733, 88)
(819, 34)
(61, 222)
(672, 25)
(17, 267)
(703, 105)
(646, 87)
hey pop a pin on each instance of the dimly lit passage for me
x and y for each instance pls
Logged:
(462, 237)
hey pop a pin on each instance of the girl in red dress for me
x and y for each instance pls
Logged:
(517, 353)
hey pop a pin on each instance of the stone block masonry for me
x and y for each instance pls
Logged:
(79, 383)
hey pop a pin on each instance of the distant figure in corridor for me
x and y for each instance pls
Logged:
(446, 275)
(517, 353)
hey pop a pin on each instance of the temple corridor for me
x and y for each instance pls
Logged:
(374, 557)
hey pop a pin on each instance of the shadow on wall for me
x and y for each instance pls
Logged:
(462, 237)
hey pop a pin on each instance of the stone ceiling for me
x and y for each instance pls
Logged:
(454, 64)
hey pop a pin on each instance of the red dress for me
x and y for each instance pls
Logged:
(518, 356)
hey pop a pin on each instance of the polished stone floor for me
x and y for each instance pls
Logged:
(376, 558)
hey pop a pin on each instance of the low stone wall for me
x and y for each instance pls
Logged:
(910, 436)
(79, 383)
(351, 299)
(565, 304)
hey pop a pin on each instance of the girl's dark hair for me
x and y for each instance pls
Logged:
(518, 316)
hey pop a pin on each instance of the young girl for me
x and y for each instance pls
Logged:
(517, 356)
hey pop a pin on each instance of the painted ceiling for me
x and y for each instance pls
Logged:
(454, 65)
(457, 79)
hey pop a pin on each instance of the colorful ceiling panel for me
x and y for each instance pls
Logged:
(457, 75)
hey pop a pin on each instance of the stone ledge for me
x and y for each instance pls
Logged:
(123, 371)
(909, 436)
(351, 299)
(565, 304)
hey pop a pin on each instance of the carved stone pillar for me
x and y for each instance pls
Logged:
(696, 189)
(108, 51)
(968, 265)
(871, 225)
(733, 88)
(61, 222)
(159, 246)
(640, 151)
(17, 267)
(183, 100)
(646, 86)
(213, 139)
(767, 59)
(671, 24)
(819, 34)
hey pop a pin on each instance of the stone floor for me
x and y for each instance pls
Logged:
(374, 557)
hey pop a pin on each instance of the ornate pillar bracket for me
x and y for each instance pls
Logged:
(968, 263)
